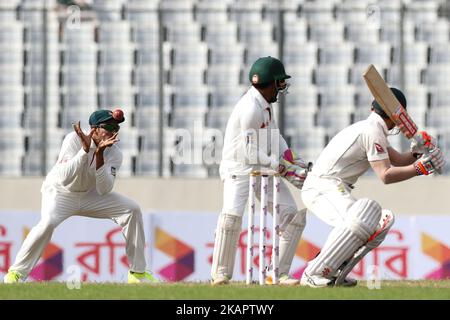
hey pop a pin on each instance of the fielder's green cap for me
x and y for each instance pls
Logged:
(266, 70)
(101, 116)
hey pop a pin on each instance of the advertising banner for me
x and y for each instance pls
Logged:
(179, 247)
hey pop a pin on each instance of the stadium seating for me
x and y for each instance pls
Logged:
(112, 58)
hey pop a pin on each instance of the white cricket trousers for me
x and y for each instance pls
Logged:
(328, 198)
(57, 207)
(236, 192)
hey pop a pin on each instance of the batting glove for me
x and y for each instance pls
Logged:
(430, 162)
(422, 143)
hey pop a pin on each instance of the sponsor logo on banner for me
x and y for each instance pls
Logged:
(439, 252)
(183, 256)
(93, 252)
(50, 265)
(392, 259)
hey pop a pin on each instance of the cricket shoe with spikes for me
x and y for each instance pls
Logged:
(283, 280)
(220, 280)
(316, 281)
(145, 277)
(12, 277)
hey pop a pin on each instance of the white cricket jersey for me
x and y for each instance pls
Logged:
(252, 137)
(75, 170)
(348, 154)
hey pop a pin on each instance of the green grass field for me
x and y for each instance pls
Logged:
(236, 291)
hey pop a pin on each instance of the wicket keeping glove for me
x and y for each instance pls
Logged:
(293, 168)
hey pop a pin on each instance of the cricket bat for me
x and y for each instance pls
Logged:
(389, 103)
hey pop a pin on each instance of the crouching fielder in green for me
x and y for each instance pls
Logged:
(81, 183)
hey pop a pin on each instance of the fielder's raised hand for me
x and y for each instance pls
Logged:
(85, 139)
(103, 144)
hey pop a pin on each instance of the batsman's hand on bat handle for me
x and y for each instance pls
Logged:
(423, 143)
(85, 139)
(430, 162)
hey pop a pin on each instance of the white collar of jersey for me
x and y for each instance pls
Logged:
(379, 120)
(258, 96)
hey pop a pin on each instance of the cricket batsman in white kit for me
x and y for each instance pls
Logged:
(248, 146)
(81, 183)
(359, 225)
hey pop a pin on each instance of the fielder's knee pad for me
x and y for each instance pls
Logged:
(229, 222)
(48, 224)
(226, 239)
(135, 208)
(384, 225)
(289, 240)
(291, 223)
(286, 216)
(363, 217)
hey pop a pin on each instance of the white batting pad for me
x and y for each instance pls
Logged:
(289, 240)
(343, 241)
(225, 246)
(384, 225)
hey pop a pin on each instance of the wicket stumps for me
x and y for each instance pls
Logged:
(262, 226)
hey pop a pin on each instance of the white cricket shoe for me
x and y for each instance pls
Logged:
(315, 281)
(220, 280)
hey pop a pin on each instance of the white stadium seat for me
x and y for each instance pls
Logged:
(336, 54)
(221, 33)
(300, 54)
(331, 75)
(332, 32)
